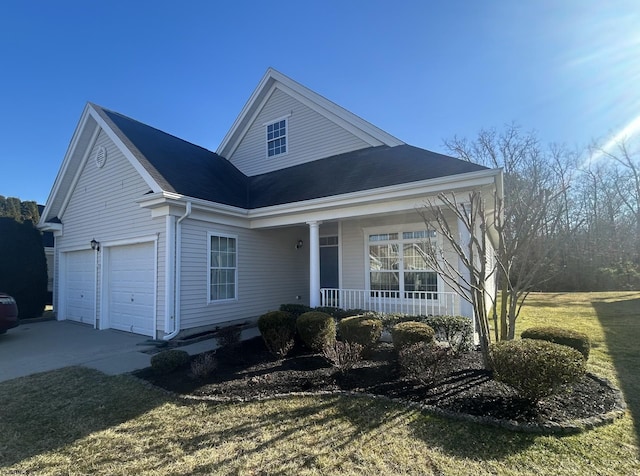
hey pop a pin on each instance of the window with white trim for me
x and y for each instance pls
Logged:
(223, 268)
(277, 138)
(398, 268)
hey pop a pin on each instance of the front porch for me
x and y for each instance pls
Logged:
(412, 303)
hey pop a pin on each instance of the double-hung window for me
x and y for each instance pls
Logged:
(223, 267)
(277, 138)
(397, 265)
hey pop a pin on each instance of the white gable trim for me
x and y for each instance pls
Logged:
(55, 190)
(151, 182)
(90, 118)
(79, 170)
(340, 116)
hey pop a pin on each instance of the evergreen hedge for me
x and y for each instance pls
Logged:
(23, 266)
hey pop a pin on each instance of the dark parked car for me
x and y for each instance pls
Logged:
(8, 313)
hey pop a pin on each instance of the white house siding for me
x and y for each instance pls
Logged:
(271, 272)
(103, 207)
(310, 136)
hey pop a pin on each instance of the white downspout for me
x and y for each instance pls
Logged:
(178, 274)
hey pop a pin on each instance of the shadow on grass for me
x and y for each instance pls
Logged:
(47, 411)
(620, 321)
(277, 427)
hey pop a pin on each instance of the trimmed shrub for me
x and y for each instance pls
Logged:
(169, 360)
(390, 319)
(316, 329)
(558, 335)
(229, 335)
(421, 361)
(411, 332)
(536, 368)
(278, 330)
(457, 331)
(204, 364)
(343, 355)
(338, 313)
(363, 330)
(295, 309)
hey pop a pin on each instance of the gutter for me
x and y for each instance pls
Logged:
(177, 273)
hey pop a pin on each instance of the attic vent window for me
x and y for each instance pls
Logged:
(277, 138)
(101, 157)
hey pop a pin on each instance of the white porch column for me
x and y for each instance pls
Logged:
(314, 263)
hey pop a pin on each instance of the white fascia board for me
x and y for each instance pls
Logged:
(168, 203)
(243, 127)
(150, 181)
(54, 227)
(390, 199)
(369, 198)
(315, 100)
(274, 79)
(248, 106)
(55, 190)
(78, 171)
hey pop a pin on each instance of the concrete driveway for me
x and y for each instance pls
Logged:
(41, 346)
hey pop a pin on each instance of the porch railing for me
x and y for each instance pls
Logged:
(414, 303)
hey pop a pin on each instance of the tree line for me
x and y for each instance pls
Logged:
(584, 205)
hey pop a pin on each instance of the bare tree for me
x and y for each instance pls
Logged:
(466, 234)
(507, 239)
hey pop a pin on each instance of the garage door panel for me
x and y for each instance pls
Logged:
(79, 286)
(132, 288)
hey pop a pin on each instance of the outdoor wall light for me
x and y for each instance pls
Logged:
(299, 244)
(95, 245)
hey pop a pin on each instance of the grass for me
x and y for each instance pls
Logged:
(79, 421)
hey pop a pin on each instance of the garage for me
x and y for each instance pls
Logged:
(80, 288)
(130, 277)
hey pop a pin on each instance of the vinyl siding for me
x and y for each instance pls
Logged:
(310, 136)
(103, 206)
(271, 272)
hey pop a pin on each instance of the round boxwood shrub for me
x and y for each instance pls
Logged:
(295, 309)
(536, 368)
(411, 332)
(457, 331)
(558, 335)
(278, 329)
(169, 360)
(363, 330)
(316, 329)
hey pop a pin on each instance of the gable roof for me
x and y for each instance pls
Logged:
(272, 80)
(187, 169)
(170, 164)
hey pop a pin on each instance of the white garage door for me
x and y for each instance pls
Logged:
(79, 286)
(131, 284)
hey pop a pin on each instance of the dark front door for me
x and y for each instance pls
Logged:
(329, 267)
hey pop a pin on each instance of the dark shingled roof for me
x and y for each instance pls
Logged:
(181, 167)
(363, 169)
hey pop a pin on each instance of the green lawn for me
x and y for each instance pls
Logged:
(79, 421)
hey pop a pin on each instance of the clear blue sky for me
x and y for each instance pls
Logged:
(422, 70)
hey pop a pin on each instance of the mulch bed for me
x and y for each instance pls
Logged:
(248, 371)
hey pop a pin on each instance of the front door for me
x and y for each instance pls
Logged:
(329, 274)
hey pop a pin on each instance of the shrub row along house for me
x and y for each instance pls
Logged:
(302, 202)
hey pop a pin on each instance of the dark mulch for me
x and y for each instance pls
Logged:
(247, 370)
